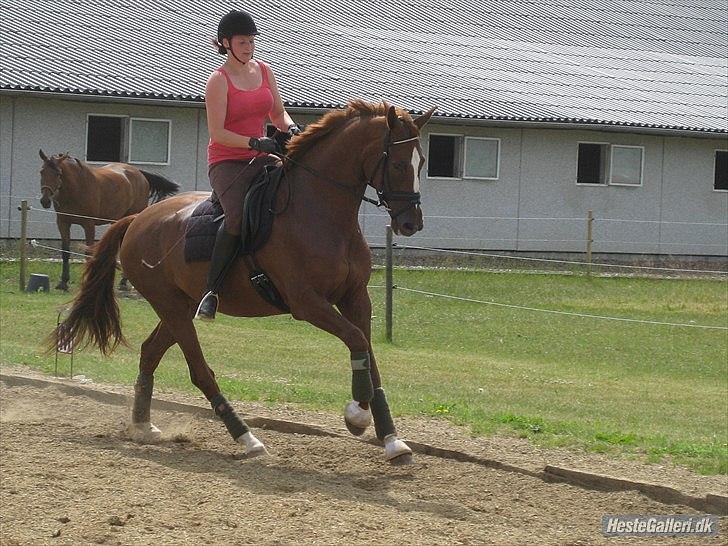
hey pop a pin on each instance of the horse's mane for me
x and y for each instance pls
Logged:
(331, 121)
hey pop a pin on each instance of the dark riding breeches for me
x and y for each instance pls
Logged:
(231, 179)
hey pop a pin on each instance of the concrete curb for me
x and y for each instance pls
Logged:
(711, 503)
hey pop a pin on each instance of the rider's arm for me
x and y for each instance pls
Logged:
(278, 115)
(216, 107)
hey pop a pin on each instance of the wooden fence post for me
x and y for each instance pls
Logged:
(589, 238)
(23, 208)
(388, 285)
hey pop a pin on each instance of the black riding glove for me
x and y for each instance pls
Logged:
(293, 129)
(263, 144)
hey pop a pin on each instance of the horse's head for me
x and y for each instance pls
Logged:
(396, 175)
(51, 178)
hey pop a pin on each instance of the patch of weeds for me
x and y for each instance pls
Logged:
(443, 409)
(528, 425)
(616, 438)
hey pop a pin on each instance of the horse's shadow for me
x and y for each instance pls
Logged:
(274, 475)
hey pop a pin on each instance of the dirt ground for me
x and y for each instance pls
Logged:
(69, 475)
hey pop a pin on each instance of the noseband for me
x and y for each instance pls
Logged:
(58, 187)
(384, 194)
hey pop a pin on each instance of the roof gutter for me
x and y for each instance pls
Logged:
(440, 120)
(578, 126)
(88, 97)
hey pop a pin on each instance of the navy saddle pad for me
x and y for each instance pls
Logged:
(258, 216)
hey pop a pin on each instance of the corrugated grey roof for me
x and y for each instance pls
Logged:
(646, 63)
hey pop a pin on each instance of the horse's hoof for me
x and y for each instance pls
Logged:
(402, 460)
(61, 286)
(144, 433)
(259, 451)
(356, 431)
(253, 446)
(396, 451)
(357, 419)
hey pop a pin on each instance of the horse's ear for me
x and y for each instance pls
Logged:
(42, 155)
(392, 119)
(424, 118)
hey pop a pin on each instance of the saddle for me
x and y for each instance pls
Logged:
(257, 224)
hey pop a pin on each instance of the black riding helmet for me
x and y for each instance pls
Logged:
(236, 23)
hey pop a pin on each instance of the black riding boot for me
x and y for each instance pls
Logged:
(223, 253)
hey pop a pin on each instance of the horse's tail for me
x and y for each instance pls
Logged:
(159, 187)
(94, 315)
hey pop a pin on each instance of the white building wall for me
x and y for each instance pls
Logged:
(58, 126)
(534, 205)
(694, 215)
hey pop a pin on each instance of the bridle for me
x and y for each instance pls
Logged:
(59, 175)
(384, 194)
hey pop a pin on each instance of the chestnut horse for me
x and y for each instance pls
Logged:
(91, 197)
(316, 256)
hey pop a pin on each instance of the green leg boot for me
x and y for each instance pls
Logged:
(223, 254)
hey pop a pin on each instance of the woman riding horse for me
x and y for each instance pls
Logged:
(239, 96)
(316, 256)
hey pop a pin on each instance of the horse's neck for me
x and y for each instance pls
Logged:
(74, 186)
(338, 183)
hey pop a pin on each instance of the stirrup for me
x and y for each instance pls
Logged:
(208, 307)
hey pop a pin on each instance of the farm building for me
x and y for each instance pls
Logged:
(546, 110)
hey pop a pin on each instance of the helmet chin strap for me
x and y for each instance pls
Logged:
(230, 50)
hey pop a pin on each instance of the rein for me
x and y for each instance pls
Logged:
(383, 196)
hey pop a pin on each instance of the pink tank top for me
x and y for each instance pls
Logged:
(246, 115)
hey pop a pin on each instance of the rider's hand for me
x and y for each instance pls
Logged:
(263, 144)
(293, 129)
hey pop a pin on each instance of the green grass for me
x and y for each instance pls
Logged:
(632, 389)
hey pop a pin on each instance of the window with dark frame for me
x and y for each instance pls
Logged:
(104, 137)
(591, 166)
(720, 181)
(443, 158)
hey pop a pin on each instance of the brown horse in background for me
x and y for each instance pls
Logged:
(91, 197)
(316, 256)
